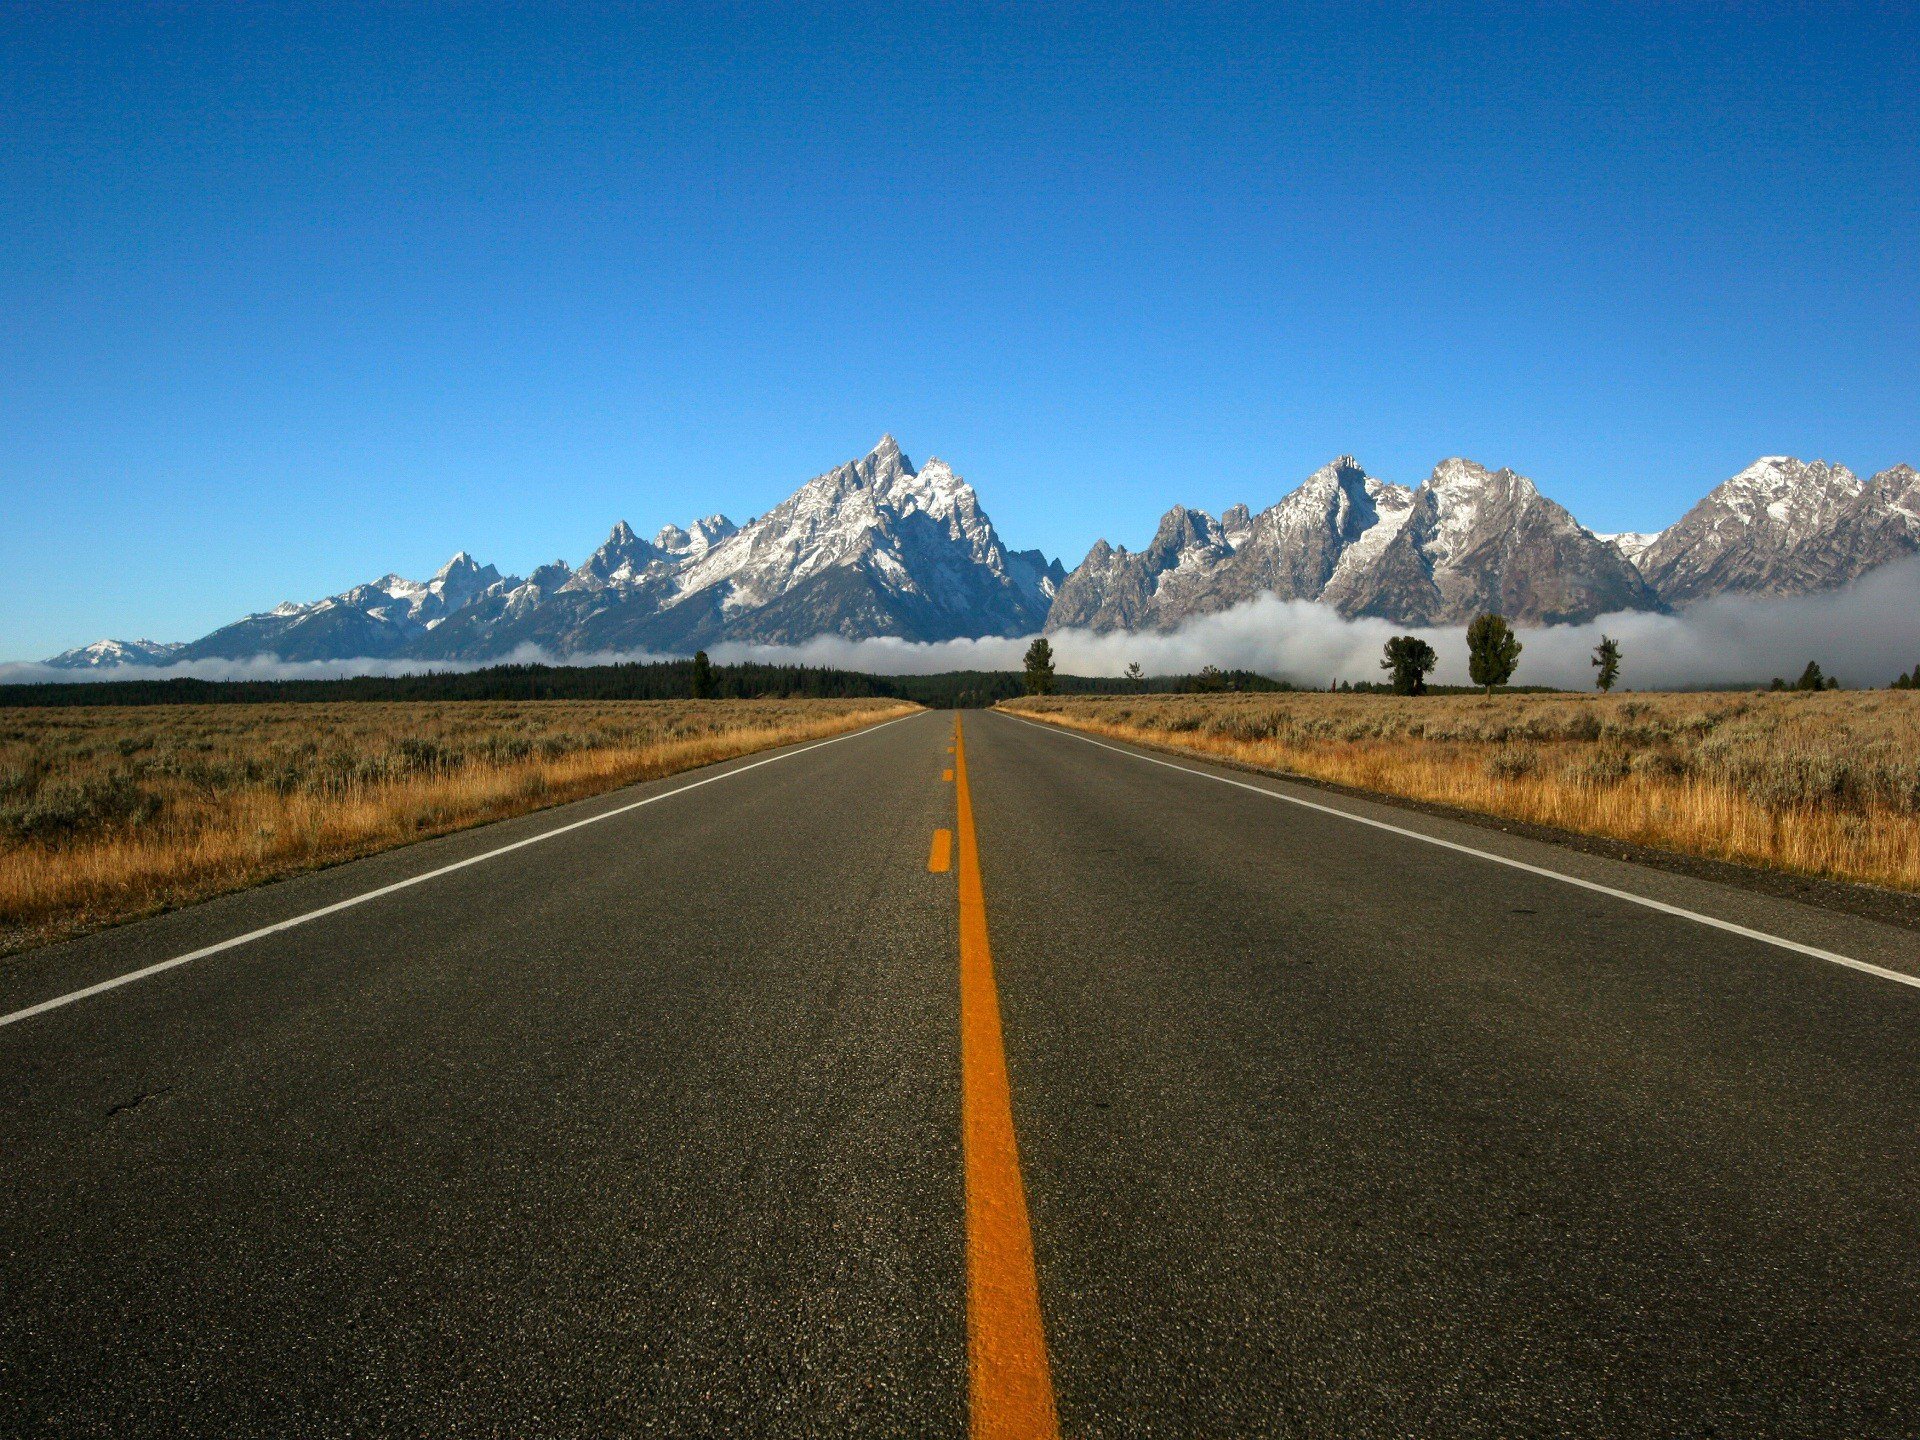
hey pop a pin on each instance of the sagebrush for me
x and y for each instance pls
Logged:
(108, 812)
(1823, 784)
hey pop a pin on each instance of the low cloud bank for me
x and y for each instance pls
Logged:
(1865, 634)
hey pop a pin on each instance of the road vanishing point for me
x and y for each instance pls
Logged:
(955, 1078)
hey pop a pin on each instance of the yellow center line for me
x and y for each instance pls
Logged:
(1009, 1386)
(942, 854)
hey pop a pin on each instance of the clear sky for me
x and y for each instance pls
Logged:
(293, 296)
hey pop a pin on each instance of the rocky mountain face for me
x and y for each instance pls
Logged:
(1467, 540)
(1476, 540)
(379, 619)
(1196, 564)
(1785, 527)
(874, 547)
(878, 548)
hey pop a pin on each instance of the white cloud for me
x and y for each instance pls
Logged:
(1865, 634)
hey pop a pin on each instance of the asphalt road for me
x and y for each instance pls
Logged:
(654, 1127)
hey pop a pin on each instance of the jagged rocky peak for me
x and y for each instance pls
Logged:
(1340, 494)
(1900, 485)
(1333, 521)
(1117, 589)
(1764, 530)
(697, 538)
(620, 561)
(1786, 486)
(887, 455)
(1479, 539)
(1341, 473)
(881, 467)
(1463, 506)
(872, 546)
(462, 578)
(1787, 497)
(1183, 532)
(1460, 479)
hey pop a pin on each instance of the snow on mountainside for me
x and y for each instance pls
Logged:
(875, 547)
(1881, 525)
(697, 538)
(114, 652)
(1784, 527)
(1117, 590)
(376, 619)
(1196, 564)
(1476, 540)
(1466, 540)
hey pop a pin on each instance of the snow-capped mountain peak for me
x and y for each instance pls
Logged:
(909, 540)
(1793, 496)
(106, 653)
(1760, 530)
(620, 561)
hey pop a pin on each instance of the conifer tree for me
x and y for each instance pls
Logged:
(1493, 651)
(1411, 660)
(1039, 664)
(1607, 656)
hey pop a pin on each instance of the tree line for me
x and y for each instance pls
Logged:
(1493, 655)
(695, 678)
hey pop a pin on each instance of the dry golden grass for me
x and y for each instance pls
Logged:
(1820, 784)
(111, 812)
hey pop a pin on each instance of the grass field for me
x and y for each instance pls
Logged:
(111, 812)
(1820, 784)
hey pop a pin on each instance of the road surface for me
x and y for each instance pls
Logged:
(836, 1096)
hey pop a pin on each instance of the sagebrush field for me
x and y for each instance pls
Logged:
(115, 811)
(1821, 784)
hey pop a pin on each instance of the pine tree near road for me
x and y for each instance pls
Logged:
(1040, 667)
(702, 676)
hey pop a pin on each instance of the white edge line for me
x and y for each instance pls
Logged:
(132, 975)
(1865, 967)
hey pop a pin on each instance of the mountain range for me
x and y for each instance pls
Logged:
(876, 547)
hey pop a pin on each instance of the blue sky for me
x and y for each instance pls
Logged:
(292, 296)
